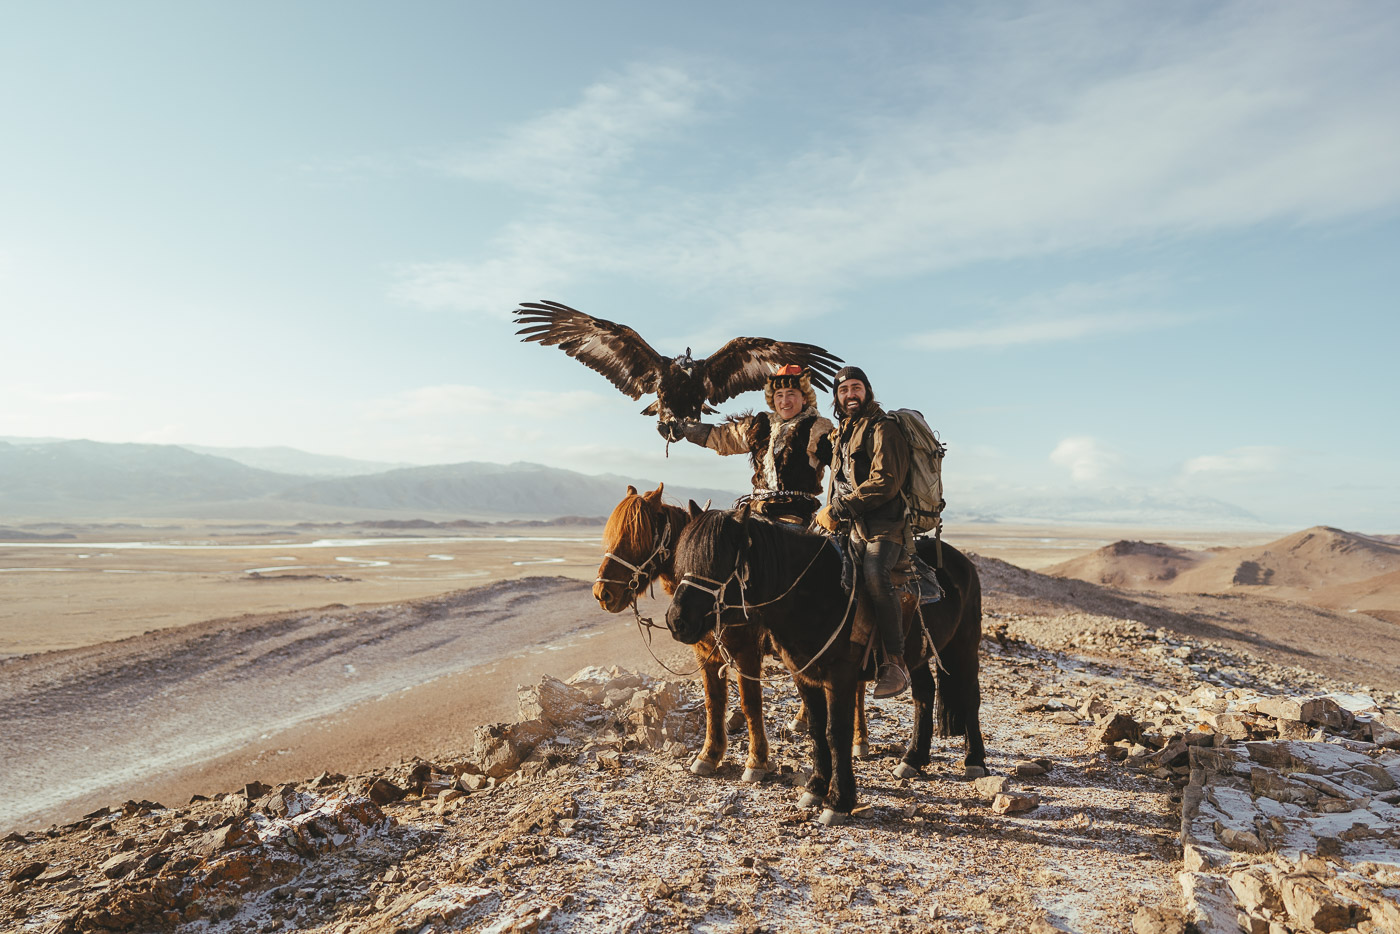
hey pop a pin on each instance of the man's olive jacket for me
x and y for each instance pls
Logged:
(870, 460)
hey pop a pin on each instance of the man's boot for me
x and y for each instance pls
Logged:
(894, 678)
(878, 559)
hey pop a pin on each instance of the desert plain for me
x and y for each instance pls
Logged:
(107, 581)
(193, 657)
(156, 662)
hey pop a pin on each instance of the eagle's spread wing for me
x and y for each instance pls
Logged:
(745, 362)
(615, 350)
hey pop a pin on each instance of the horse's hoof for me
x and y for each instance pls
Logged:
(796, 725)
(755, 775)
(809, 800)
(833, 818)
(702, 767)
(905, 770)
(974, 771)
(860, 750)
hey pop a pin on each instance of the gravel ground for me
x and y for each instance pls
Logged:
(601, 832)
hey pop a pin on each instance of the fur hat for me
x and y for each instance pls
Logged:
(791, 376)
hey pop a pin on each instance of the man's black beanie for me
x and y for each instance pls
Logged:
(850, 372)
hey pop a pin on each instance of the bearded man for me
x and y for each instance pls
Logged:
(870, 460)
(788, 446)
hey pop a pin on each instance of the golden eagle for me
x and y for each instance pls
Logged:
(684, 387)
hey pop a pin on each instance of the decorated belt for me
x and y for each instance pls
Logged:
(783, 494)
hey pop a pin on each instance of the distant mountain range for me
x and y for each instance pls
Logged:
(89, 479)
(293, 461)
(44, 478)
(276, 459)
(1105, 506)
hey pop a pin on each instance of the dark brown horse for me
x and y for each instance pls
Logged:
(741, 574)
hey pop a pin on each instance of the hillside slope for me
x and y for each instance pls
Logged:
(1321, 566)
(1136, 565)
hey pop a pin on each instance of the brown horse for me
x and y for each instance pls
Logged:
(639, 545)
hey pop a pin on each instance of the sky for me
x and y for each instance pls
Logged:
(1101, 246)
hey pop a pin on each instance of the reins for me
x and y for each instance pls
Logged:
(648, 623)
(741, 575)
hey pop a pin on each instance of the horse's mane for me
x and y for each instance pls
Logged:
(631, 523)
(780, 551)
(704, 535)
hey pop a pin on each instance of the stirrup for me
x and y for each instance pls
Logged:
(893, 681)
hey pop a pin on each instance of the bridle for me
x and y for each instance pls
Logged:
(740, 574)
(642, 575)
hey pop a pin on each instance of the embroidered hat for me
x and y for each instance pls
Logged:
(791, 376)
(787, 377)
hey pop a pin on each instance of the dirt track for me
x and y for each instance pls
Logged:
(217, 704)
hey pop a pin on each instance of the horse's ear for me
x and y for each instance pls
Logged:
(631, 490)
(742, 513)
(653, 496)
(707, 503)
(695, 509)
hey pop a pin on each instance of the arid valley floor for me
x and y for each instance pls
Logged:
(157, 663)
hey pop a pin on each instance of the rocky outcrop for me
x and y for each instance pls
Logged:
(174, 866)
(1303, 833)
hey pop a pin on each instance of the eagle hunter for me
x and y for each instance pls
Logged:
(685, 387)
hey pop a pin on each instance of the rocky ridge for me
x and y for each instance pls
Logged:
(1124, 797)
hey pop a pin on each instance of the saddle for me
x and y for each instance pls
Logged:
(918, 584)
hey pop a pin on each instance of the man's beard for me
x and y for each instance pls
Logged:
(858, 409)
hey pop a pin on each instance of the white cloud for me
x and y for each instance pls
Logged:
(1239, 462)
(532, 261)
(492, 288)
(573, 147)
(1087, 459)
(1045, 132)
(459, 401)
(1070, 312)
(1037, 332)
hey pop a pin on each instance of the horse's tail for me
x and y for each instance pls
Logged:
(955, 670)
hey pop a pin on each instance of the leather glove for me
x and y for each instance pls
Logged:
(696, 432)
(840, 509)
(826, 520)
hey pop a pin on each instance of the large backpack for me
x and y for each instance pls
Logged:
(923, 487)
